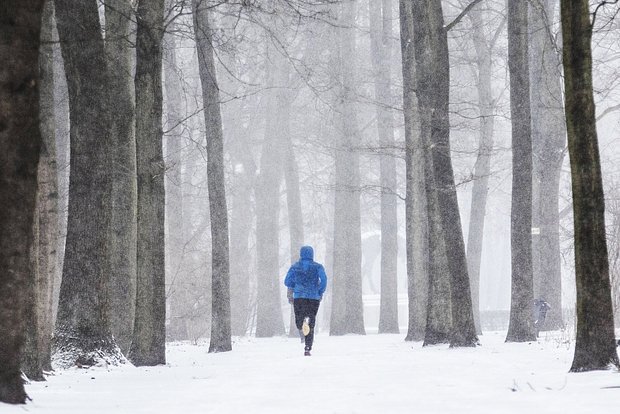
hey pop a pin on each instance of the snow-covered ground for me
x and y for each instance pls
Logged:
(378, 374)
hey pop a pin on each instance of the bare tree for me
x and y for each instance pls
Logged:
(20, 23)
(595, 346)
(220, 267)
(83, 334)
(119, 50)
(521, 327)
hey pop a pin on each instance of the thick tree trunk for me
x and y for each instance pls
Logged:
(118, 49)
(595, 346)
(482, 168)
(37, 352)
(415, 203)
(381, 50)
(433, 80)
(521, 327)
(548, 146)
(83, 335)
(148, 346)
(347, 313)
(220, 268)
(20, 25)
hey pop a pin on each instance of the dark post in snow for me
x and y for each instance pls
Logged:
(20, 25)
(148, 346)
(220, 313)
(521, 327)
(595, 346)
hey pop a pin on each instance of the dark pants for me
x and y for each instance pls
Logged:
(306, 308)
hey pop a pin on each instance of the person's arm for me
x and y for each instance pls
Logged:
(289, 280)
(322, 280)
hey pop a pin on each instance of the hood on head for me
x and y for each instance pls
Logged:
(306, 252)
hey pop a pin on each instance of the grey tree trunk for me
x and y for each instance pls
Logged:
(482, 167)
(148, 346)
(548, 146)
(269, 320)
(595, 346)
(381, 50)
(433, 80)
(347, 313)
(220, 308)
(415, 203)
(174, 191)
(521, 327)
(83, 335)
(37, 352)
(20, 24)
(118, 49)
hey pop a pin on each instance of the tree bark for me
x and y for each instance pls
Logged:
(415, 203)
(595, 346)
(20, 139)
(381, 51)
(548, 146)
(433, 80)
(482, 167)
(220, 267)
(83, 335)
(347, 314)
(148, 346)
(520, 328)
(118, 49)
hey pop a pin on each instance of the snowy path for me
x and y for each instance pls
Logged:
(352, 374)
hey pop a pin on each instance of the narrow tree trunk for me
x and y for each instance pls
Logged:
(482, 167)
(415, 203)
(175, 237)
(549, 142)
(220, 308)
(347, 314)
(269, 320)
(148, 346)
(380, 34)
(118, 48)
(82, 334)
(520, 328)
(595, 346)
(433, 81)
(20, 23)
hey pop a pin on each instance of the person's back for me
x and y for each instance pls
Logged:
(307, 281)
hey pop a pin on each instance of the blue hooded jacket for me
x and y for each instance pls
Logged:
(306, 277)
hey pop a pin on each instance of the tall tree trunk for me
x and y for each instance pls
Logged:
(269, 320)
(37, 352)
(548, 146)
(347, 307)
(433, 80)
(482, 167)
(381, 50)
(220, 308)
(118, 48)
(520, 328)
(415, 204)
(148, 346)
(83, 335)
(175, 237)
(595, 346)
(20, 25)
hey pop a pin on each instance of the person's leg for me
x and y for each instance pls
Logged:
(299, 309)
(311, 308)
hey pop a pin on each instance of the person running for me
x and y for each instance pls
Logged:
(307, 281)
